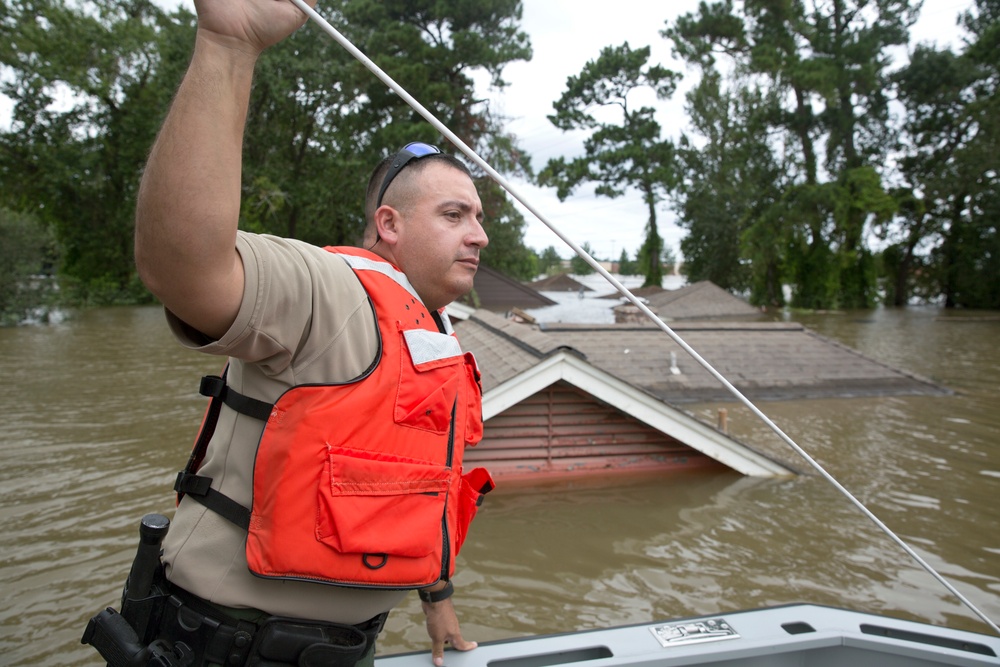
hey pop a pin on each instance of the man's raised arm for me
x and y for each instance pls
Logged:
(189, 199)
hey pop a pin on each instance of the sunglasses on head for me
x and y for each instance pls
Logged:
(410, 152)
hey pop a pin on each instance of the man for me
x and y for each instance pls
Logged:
(288, 314)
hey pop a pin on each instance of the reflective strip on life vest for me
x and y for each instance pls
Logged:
(427, 346)
(386, 269)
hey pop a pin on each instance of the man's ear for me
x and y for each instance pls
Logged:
(387, 223)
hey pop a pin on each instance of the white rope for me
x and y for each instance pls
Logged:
(472, 155)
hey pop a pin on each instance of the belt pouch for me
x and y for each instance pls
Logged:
(289, 641)
(191, 624)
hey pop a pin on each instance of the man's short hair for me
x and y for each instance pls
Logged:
(413, 167)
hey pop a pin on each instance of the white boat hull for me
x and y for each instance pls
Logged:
(793, 635)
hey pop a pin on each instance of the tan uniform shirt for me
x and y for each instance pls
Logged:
(304, 319)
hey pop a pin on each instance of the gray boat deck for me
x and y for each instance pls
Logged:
(788, 636)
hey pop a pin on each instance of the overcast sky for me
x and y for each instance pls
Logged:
(565, 35)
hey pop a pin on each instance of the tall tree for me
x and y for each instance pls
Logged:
(318, 120)
(828, 65)
(25, 288)
(951, 162)
(626, 266)
(629, 153)
(89, 88)
(578, 265)
(730, 182)
(550, 263)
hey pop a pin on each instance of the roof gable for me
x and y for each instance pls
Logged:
(560, 282)
(566, 366)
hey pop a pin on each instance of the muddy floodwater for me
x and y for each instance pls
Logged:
(101, 409)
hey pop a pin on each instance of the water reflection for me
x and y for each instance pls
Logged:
(101, 410)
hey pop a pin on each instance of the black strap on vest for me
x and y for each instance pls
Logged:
(199, 487)
(214, 387)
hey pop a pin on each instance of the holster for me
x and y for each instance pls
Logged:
(190, 632)
(162, 625)
(126, 639)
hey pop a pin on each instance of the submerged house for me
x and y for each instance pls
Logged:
(585, 400)
(492, 290)
(559, 282)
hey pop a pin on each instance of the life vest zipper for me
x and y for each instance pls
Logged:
(445, 550)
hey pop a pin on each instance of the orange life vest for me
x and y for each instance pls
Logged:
(360, 483)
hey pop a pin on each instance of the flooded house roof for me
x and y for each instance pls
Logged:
(702, 300)
(559, 283)
(641, 371)
(764, 360)
(495, 291)
(519, 363)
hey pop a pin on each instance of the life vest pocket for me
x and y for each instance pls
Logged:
(424, 399)
(475, 485)
(374, 504)
(474, 402)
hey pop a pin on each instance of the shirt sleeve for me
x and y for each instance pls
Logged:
(298, 299)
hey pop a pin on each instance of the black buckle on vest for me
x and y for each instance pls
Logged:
(194, 484)
(212, 386)
(215, 387)
(200, 488)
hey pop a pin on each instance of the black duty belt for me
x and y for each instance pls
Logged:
(215, 637)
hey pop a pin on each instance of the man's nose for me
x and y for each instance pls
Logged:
(477, 235)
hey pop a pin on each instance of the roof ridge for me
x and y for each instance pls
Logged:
(506, 330)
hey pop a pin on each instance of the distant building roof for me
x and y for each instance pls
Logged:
(495, 291)
(700, 300)
(559, 283)
(641, 292)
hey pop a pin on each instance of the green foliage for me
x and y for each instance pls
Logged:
(505, 228)
(668, 258)
(951, 167)
(627, 266)
(650, 258)
(730, 196)
(766, 257)
(782, 179)
(618, 156)
(549, 262)
(26, 255)
(804, 82)
(91, 84)
(578, 265)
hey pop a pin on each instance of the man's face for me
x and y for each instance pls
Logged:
(440, 234)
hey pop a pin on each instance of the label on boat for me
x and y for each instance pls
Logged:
(693, 632)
